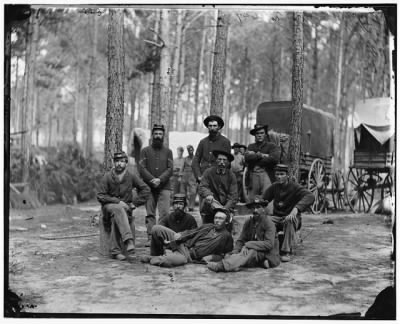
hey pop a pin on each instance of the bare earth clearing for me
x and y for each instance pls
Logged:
(338, 268)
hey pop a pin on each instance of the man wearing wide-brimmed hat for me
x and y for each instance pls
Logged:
(290, 200)
(218, 187)
(118, 203)
(261, 157)
(257, 244)
(203, 158)
(179, 220)
(237, 166)
(155, 167)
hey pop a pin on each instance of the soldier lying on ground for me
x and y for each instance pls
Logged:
(178, 220)
(257, 244)
(290, 199)
(115, 196)
(171, 249)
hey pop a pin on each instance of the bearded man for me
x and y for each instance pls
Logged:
(179, 220)
(203, 158)
(117, 201)
(156, 168)
(218, 187)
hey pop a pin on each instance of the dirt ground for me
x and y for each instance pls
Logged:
(337, 268)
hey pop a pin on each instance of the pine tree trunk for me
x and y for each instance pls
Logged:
(155, 94)
(198, 76)
(297, 96)
(76, 108)
(175, 68)
(227, 90)
(16, 106)
(337, 152)
(32, 40)
(131, 131)
(165, 71)
(115, 91)
(91, 87)
(218, 72)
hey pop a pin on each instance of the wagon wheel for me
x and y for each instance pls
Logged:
(360, 190)
(338, 190)
(317, 183)
(387, 186)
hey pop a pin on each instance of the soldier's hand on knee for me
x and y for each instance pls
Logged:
(124, 204)
(245, 250)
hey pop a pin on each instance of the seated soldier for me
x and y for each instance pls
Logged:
(257, 244)
(178, 220)
(118, 203)
(171, 249)
(218, 187)
(290, 199)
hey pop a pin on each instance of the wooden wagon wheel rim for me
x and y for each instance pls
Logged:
(338, 190)
(317, 185)
(387, 184)
(361, 194)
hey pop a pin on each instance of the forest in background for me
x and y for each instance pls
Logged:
(59, 69)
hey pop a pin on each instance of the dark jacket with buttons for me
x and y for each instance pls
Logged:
(156, 163)
(203, 158)
(222, 186)
(112, 191)
(260, 236)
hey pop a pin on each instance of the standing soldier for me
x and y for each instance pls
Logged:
(261, 158)
(204, 158)
(155, 167)
(177, 174)
(118, 203)
(237, 167)
(189, 184)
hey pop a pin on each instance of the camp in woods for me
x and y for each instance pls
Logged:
(203, 160)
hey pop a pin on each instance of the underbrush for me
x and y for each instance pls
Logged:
(66, 176)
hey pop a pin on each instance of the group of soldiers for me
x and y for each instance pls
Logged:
(216, 174)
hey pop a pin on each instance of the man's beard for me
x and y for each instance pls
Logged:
(179, 213)
(213, 133)
(119, 169)
(158, 142)
(221, 169)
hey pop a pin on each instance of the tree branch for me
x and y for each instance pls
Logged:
(155, 44)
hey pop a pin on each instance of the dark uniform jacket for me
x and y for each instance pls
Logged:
(156, 163)
(112, 191)
(266, 163)
(203, 158)
(222, 186)
(261, 237)
(286, 197)
(179, 225)
(205, 240)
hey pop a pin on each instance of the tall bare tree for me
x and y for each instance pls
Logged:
(219, 64)
(28, 97)
(297, 95)
(91, 86)
(175, 67)
(165, 73)
(115, 92)
(155, 92)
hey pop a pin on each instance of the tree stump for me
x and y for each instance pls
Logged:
(105, 237)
